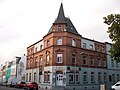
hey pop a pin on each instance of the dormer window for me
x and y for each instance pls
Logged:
(59, 28)
(41, 47)
(36, 49)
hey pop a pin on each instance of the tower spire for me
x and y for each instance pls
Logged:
(61, 17)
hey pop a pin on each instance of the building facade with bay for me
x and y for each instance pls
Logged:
(64, 58)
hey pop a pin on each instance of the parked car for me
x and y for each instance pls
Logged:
(12, 82)
(116, 86)
(31, 86)
(20, 84)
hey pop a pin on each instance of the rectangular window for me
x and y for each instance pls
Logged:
(113, 77)
(110, 78)
(91, 61)
(112, 63)
(84, 60)
(85, 77)
(45, 77)
(30, 63)
(73, 42)
(105, 77)
(48, 77)
(30, 77)
(34, 77)
(117, 77)
(99, 61)
(27, 77)
(99, 77)
(103, 50)
(77, 78)
(35, 62)
(98, 48)
(84, 45)
(59, 28)
(104, 62)
(73, 59)
(59, 58)
(92, 77)
(71, 78)
(40, 73)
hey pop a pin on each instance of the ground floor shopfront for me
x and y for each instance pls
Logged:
(72, 77)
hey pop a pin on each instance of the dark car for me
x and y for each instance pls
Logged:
(21, 84)
(31, 86)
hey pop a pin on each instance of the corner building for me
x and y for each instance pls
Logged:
(63, 58)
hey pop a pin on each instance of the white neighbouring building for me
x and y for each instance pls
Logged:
(113, 67)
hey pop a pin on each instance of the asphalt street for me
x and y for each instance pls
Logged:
(9, 88)
(12, 88)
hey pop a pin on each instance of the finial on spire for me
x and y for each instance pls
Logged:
(61, 1)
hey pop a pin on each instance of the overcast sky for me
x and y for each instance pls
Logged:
(24, 22)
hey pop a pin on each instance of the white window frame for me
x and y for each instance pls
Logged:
(91, 47)
(99, 61)
(40, 60)
(59, 58)
(84, 45)
(104, 62)
(85, 76)
(84, 59)
(91, 59)
(48, 58)
(59, 41)
(59, 27)
(72, 78)
(73, 42)
(103, 50)
(99, 77)
(92, 77)
(105, 77)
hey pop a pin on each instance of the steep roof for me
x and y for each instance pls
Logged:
(61, 16)
(61, 19)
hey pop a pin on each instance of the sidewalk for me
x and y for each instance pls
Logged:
(42, 89)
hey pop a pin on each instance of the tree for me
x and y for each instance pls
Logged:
(114, 33)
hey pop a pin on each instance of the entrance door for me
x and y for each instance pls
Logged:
(59, 79)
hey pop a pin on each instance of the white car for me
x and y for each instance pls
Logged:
(116, 86)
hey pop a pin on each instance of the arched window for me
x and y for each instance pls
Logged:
(73, 42)
(47, 57)
(59, 41)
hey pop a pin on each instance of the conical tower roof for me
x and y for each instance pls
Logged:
(61, 17)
